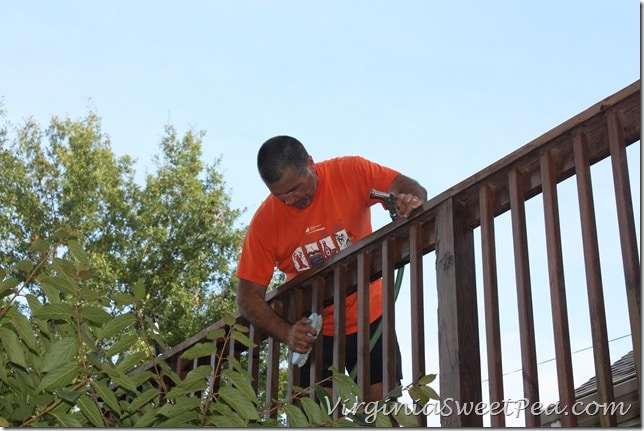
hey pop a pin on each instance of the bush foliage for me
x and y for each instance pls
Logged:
(66, 362)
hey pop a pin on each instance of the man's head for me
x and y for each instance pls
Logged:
(288, 170)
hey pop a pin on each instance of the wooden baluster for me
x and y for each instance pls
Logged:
(627, 234)
(557, 289)
(593, 278)
(491, 300)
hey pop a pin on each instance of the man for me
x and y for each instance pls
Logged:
(313, 211)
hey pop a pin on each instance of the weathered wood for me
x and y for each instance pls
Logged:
(364, 365)
(272, 364)
(627, 234)
(339, 322)
(295, 310)
(458, 334)
(317, 304)
(253, 357)
(598, 329)
(417, 307)
(559, 309)
(491, 300)
(388, 318)
(524, 296)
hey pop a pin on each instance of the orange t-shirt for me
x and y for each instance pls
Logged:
(294, 240)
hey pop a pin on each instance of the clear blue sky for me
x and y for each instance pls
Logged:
(436, 89)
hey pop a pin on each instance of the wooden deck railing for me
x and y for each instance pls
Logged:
(445, 226)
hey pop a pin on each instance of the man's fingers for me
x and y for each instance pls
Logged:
(406, 204)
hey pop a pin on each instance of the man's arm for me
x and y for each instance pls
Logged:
(254, 308)
(409, 194)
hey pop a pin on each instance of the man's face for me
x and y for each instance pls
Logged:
(296, 189)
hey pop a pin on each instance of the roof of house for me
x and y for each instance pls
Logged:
(626, 390)
(622, 370)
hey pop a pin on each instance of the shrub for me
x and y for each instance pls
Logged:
(67, 362)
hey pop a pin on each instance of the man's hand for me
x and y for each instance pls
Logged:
(298, 338)
(406, 203)
(409, 194)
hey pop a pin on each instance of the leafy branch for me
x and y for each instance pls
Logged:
(67, 362)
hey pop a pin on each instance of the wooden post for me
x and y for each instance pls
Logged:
(458, 332)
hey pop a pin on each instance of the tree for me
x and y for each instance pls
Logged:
(184, 232)
(175, 234)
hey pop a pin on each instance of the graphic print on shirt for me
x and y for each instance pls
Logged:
(342, 238)
(313, 253)
(300, 261)
(316, 251)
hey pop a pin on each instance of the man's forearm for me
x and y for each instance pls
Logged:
(404, 184)
(260, 314)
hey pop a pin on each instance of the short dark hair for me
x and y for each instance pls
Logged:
(279, 153)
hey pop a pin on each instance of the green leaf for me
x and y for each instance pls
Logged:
(232, 421)
(122, 344)
(322, 395)
(200, 350)
(24, 266)
(404, 415)
(122, 380)
(179, 406)
(243, 339)
(382, 420)
(34, 303)
(296, 418)
(132, 360)
(317, 415)
(24, 329)
(147, 420)
(12, 345)
(90, 411)
(427, 379)
(40, 245)
(54, 312)
(229, 319)
(67, 421)
(123, 299)
(143, 399)
(59, 377)
(68, 268)
(195, 381)
(238, 327)
(347, 389)
(226, 416)
(235, 399)
(107, 396)
(395, 392)
(95, 314)
(216, 334)
(139, 290)
(78, 253)
(418, 395)
(89, 294)
(240, 382)
(59, 283)
(182, 419)
(8, 286)
(70, 396)
(116, 324)
(430, 393)
(61, 352)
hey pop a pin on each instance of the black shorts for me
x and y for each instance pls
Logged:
(351, 358)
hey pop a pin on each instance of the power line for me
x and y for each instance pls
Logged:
(552, 359)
